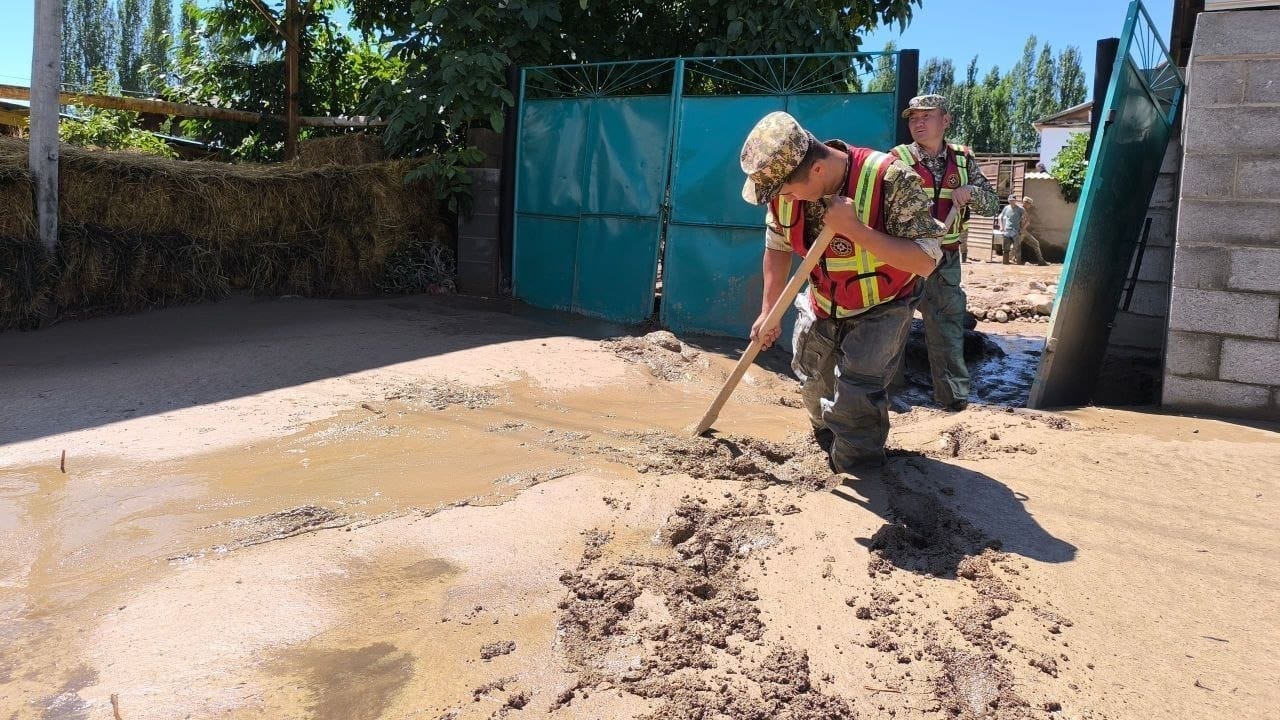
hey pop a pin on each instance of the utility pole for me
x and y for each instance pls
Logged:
(291, 24)
(42, 158)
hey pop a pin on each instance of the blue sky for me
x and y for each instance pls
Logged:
(955, 29)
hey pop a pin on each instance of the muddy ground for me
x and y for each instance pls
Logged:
(436, 508)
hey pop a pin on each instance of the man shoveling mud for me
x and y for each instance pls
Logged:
(855, 314)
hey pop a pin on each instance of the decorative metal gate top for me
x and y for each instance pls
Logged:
(620, 164)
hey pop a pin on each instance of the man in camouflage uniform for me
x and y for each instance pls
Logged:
(951, 179)
(844, 356)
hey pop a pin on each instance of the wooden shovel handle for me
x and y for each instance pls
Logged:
(774, 317)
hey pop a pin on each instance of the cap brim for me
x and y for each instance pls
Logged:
(755, 195)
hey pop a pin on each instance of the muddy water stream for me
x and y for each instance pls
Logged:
(82, 540)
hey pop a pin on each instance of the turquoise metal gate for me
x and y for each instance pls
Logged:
(712, 281)
(613, 159)
(1133, 134)
(591, 183)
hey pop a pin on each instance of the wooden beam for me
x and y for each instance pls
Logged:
(46, 75)
(13, 118)
(206, 112)
(293, 88)
(269, 16)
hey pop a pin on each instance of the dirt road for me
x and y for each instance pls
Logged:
(434, 508)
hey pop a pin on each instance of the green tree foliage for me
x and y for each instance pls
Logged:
(157, 42)
(1044, 91)
(938, 77)
(1070, 78)
(1022, 100)
(109, 129)
(129, 51)
(885, 77)
(229, 55)
(1070, 166)
(994, 115)
(89, 42)
(456, 51)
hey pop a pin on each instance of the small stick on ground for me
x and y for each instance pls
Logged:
(876, 689)
(63, 465)
(115, 706)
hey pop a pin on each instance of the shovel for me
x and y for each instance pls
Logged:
(811, 259)
(789, 292)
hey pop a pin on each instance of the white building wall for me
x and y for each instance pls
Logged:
(1052, 140)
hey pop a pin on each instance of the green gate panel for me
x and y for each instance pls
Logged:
(627, 174)
(544, 257)
(1137, 121)
(552, 156)
(715, 239)
(706, 185)
(591, 179)
(617, 268)
(856, 119)
(714, 286)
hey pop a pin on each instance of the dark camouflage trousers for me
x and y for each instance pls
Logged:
(845, 367)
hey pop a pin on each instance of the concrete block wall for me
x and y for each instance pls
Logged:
(478, 243)
(1223, 346)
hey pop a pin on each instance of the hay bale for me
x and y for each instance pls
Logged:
(138, 231)
(350, 149)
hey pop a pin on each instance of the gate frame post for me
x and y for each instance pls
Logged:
(908, 87)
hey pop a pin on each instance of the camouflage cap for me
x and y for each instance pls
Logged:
(926, 102)
(773, 150)
(1028, 200)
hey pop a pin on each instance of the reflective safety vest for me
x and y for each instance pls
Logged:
(849, 278)
(956, 174)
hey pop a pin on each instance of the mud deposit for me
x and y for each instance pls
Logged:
(685, 632)
(452, 512)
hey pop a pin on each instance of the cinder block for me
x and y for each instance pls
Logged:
(1259, 178)
(1165, 192)
(1201, 268)
(1161, 233)
(484, 178)
(1211, 82)
(1230, 130)
(1150, 298)
(1216, 397)
(477, 278)
(1157, 265)
(1227, 313)
(1136, 331)
(1229, 222)
(477, 249)
(479, 225)
(1256, 269)
(1263, 85)
(1210, 176)
(1250, 361)
(1172, 157)
(1235, 32)
(487, 201)
(1193, 354)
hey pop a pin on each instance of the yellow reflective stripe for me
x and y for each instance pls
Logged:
(786, 211)
(870, 285)
(845, 264)
(904, 153)
(862, 202)
(944, 194)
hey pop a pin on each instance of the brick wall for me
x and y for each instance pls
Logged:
(1223, 347)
